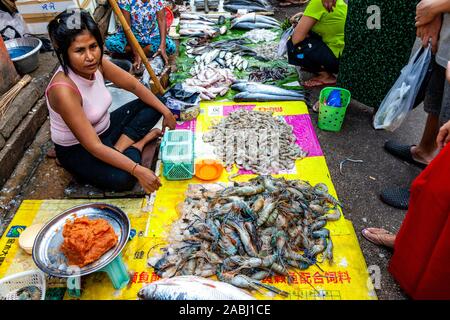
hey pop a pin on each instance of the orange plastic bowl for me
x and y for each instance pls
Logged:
(208, 169)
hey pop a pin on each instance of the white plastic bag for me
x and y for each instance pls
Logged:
(282, 47)
(400, 99)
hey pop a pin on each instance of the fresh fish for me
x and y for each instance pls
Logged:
(198, 27)
(206, 23)
(191, 288)
(251, 26)
(261, 97)
(254, 18)
(191, 16)
(253, 87)
(249, 8)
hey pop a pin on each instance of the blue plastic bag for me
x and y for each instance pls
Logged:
(334, 99)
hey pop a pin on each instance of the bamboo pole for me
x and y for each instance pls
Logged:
(136, 45)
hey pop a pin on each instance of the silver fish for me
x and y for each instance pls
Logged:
(254, 18)
(261, 97)
(191, 288)
(253, 87)
(251, 25)
(249, 8)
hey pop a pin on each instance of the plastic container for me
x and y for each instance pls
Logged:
(208, 169)
(177, 154)
(331, 118)
(117, 272)
(28, 285)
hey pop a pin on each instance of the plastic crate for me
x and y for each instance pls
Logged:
(332, 118)
(177, 154)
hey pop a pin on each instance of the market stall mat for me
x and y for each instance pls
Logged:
(151, 219)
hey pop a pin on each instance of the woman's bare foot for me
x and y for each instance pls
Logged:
(152, 135)
(421, 156)
(323, 79)
(379, 236)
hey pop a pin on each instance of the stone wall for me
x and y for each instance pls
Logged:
(24, 117)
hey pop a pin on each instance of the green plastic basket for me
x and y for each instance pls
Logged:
(332, 118)
(177, 155)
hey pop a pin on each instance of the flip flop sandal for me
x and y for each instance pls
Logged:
(403, 152)
(396, 197)
(292, 3)
(315, 107)
(318, 83)
(377, 237)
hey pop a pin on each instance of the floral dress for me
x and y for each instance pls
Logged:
(144, 26)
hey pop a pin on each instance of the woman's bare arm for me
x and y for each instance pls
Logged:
(302, 29)
(126, 81)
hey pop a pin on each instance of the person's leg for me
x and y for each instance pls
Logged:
(422, 154)
(151, 48)
(426, 150)
(85, 167)
(132, 125)
(315, 56)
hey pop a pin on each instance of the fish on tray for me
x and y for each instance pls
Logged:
(191, 288)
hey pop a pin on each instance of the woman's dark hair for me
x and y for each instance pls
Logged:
(65, 27)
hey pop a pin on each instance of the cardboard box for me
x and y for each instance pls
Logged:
(38, 13)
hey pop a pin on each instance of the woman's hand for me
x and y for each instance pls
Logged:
(430, 31)
(425, 12)
(444, 135)
(137, 61)
(162, 51)
(329, 4)
(169, 120)
(147, 179)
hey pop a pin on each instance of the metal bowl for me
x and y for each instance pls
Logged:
(46, 249)
(29, 61)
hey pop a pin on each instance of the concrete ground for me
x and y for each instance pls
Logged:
(358, 187)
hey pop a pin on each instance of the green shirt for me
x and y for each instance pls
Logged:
(330, 25)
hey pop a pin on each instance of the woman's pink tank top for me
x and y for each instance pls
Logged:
(96, 102)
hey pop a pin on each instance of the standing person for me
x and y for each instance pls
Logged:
(421, 259)
(99, 148)
(317, 42)
(433, 22)
(147, 20)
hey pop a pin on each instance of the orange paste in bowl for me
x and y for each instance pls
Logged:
(85, 240)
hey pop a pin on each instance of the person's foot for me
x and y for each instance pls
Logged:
(408, 153)
(51, 153)
(321, 80)
(420, 156)
(316, 106)
(152, 135)
(379, 236)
